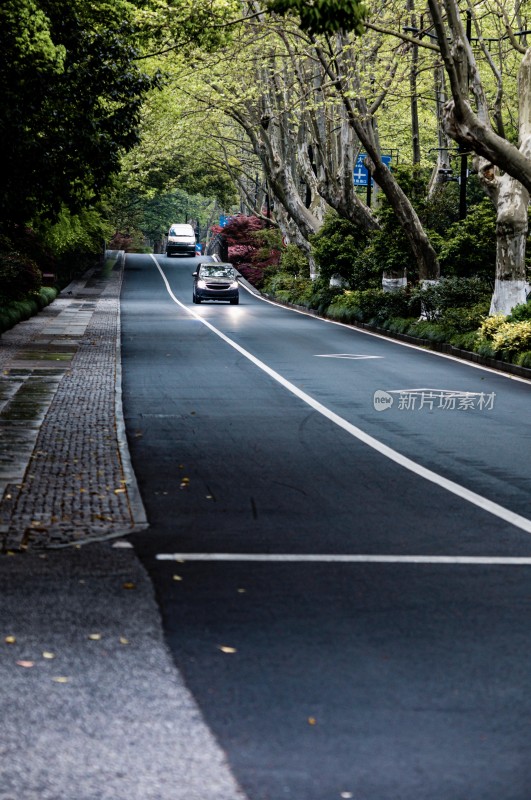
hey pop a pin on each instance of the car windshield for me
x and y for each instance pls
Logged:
(180, 231)
(216, 271)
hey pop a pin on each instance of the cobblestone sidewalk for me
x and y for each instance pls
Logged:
(65, 475)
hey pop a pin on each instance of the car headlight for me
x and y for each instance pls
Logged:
(201, 285)
(234, 285)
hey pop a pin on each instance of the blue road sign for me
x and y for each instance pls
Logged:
(361, 173)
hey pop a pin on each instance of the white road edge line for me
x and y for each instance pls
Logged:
(390, 339)
(484, 503)
(345, 559)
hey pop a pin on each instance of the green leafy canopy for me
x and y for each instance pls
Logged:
(324, 16)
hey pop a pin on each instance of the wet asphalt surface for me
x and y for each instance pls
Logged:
(375, 681)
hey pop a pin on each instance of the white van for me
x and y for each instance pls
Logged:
(181, 240)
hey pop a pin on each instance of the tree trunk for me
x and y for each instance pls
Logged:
(415, 127)
(443, 168)
(511, 234)
(511, 199)
(473, 130)
(425, 255)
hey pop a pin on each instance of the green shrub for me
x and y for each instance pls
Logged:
(321, 295)
(400, 324)
(386, 250)
(370, 305)
(287, 287)
(14, 311)
(75, 240)
(465, 341)
(521, 312)
(433, 331)
(469, 245)
(294, 260)
(448, 293)
(46, 295)
(462, 320)
(19, 276)
(523, 359)
(338, 248)
(441, 209)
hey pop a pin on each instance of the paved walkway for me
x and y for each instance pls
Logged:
(64, 464)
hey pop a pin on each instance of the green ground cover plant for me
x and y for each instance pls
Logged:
(14, 311)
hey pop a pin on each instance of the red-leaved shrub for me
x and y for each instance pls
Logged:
(248, 250)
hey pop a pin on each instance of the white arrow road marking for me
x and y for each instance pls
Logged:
(347, 559)
(484, 503)
(344, 355)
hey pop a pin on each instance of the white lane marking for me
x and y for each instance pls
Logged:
(439, 480)
(344, 355)
(324, 558)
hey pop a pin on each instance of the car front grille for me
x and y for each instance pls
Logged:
(218, 286)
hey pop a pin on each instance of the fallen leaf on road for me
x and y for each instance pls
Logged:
(10, 640)
(312, 721)
(61, 679)
(123, 640)
(176, 577)
(94, 636)
(225, 649)
(128, 585)
(26, 664)
(119, 491)
(48, 655)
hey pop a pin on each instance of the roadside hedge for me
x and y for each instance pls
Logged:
(14, 311)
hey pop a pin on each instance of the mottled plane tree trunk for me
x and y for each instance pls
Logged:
(511, 199)
(504, 169)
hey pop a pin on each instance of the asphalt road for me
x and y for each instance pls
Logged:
(350, 669)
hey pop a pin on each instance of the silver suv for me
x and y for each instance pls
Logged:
(216, 282)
